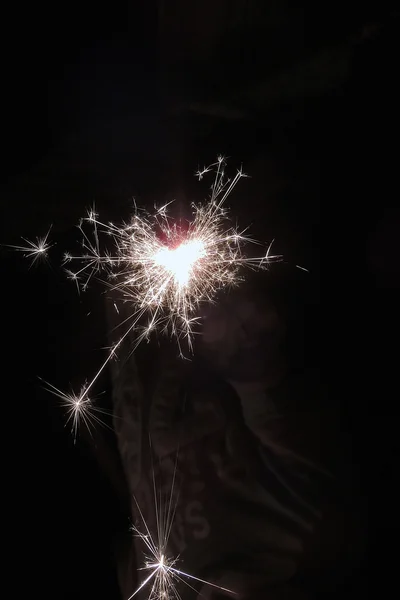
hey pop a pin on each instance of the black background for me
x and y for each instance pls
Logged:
(93, 109)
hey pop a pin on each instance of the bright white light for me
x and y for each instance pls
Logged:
(180, 262)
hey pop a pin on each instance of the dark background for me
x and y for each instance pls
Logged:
(102, 106)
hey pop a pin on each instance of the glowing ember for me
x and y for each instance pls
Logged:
(181, 262)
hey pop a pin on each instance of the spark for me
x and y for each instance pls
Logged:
(35, 250)
(164, 575)
(79, 408)
(167, 268)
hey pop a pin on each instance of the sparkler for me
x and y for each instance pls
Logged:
(167, 269)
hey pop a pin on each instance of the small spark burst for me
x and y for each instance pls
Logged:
(164, 576)
(78, 408)
(35, 250)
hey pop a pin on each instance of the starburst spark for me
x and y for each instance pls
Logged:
(164, 577)
(79, 408)
(35, 250)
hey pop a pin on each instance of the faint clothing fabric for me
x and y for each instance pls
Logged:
(246, 503)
